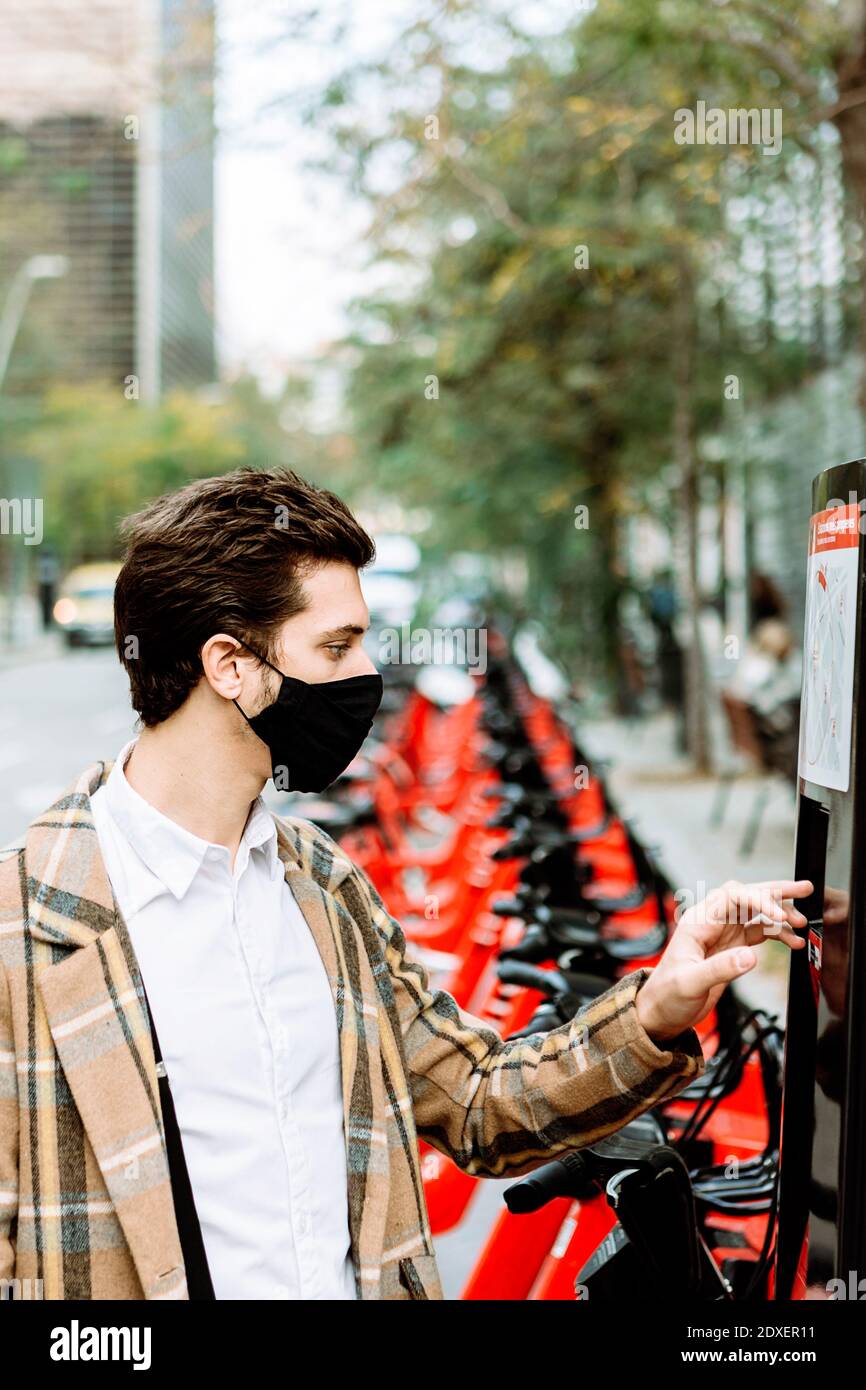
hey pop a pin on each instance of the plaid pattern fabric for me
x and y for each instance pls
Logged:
(85, 1198)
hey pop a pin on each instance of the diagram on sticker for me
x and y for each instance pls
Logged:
(828, 667)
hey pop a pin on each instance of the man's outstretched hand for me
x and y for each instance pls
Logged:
(712, 945)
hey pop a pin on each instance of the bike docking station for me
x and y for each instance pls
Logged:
(821, 1219)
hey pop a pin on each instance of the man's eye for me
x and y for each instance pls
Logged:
(337, 652)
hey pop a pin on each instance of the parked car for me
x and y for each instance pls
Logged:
(84, 610)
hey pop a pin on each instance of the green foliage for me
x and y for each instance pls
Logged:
(500, 385)
(13, 155)
(98, 456)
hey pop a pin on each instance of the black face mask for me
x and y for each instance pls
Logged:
(314, 731)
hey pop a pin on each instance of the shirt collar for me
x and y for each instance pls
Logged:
(172, 853)
(260, 832)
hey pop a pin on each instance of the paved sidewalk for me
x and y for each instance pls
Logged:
(671, 809)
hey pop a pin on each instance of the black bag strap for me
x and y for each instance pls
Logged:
(198, 1280)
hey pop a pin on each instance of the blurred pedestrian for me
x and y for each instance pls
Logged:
(47, 575)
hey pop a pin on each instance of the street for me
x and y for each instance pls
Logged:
(56, 716)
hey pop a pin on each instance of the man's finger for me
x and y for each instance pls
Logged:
(751, 900)
(777, 911)
(756, 933)
(789, 888)
(779, 901)
(699, 977)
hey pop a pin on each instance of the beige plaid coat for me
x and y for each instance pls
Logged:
(85, 1197)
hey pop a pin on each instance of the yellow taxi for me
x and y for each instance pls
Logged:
(84, 610)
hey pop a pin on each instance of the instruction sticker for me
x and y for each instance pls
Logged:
(828, 655)
(815, 940)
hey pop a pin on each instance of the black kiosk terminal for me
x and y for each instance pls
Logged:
(821, 1221)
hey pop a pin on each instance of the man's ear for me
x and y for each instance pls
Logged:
(227, 668)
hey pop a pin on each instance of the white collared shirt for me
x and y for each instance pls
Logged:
(248, 1030)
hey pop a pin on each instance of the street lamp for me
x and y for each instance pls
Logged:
(36, 268)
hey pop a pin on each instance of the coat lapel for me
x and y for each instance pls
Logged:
(94, 1004)
(356, 1000)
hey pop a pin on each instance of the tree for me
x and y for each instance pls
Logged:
(98, 456)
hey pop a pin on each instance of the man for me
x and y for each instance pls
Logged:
(305, 1052)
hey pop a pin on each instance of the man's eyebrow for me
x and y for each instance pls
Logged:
(347, 630)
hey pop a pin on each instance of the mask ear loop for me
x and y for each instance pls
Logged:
(237, 707)
(258, 657)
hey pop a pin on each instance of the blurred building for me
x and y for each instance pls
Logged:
(106, 158)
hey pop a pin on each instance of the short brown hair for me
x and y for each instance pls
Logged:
(222, 554)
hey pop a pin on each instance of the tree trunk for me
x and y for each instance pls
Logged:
(696, 730)
(609, 597)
